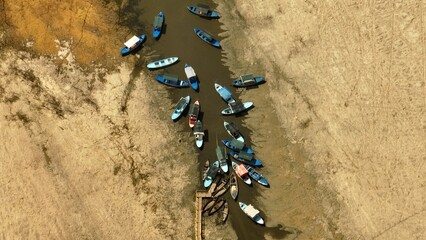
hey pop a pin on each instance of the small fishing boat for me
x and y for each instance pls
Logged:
(233, 130)
(219, 203)
(192, 77)
(224, 93)
(194, 111)
(211, 174)
(248, 81)
(225, 212)
(237, 107)
(241, 172)
(132, 44)
(171, 80)
(180, 107)
(199, 134)
(222, 157)
(220, 191)
(246, 158)
(237, 145)
(252, 212)
(233, 186)
(209, 204)
(206, 37)
(203, 11)
(256, 176)
(162, 63)
(203, 173)
(158, 25)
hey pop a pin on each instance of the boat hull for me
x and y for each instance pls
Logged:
(229, 111)
(238, 135)
(192, 77)
(210, 14)
(157, 29)
(253, 162)
(125, 51)
(224, 93)
(200, 33)
(257, 219)
(179, 110)
(178, 84)
(162, 63)
(257, 80)
(228, 144)
(245, 179)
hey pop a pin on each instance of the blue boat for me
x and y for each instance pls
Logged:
(236, 145)
(211, 174)
(192, 77)
(158, 25)
(207, 37)
(132, 44)
(224, 93)
(203, 11)
(171, 80)
(180, 107)
(256, 176)
(248, 81)
(246, 158)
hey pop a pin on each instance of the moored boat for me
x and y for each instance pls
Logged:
(222, 157)
(132, 44)
(256, 176)
(224, 93)
(241, 172)
(237, 145)
(248, 81)
(233, 130)
(180, 107)
(192, 77)
(206, 37)
(246, 158)
(225, 211)
(252, 212)
(203, 11)
(199, 134)
(233, 185)
(220, 191)
(206, 166)
(171, 80)
(211, 174)
(209, 204)
(237, 107)
(162, 63)
(194, 111)
(158, 25)
(218, 204)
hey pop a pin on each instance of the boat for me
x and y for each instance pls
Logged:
(225, 211)
(194, 110)
(171, 80)
(233, 186)
(222, 157)
(203, 173)
(252, 212)
(248, 81)
(224, 93)
(246, 158)
(233, 130)
(211, 174)
(132, 44)
(206, 37)
(237, 145)
(162, 63)
(180, 107)
(199, 134)
(209, 204)
(219, 187)
(241, 172)
(237, 107)
(158, 25)
(256, 176)
(220, 191)
(203, 11)
(218, 204)
(192, 77)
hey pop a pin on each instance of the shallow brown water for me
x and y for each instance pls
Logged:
(178, 39)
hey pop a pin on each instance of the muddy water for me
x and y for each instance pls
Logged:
(178, 39)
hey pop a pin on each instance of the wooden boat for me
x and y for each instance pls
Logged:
(180, 107)
(233, 186)
(203, 173)
(233, 130)
(132, 44)
(246, 158)
(199, 134)
(203, 11)
(237, 145)
(237, 107)
(224, 93)
(241, 172)
(192, 77)
(220, 191)
(206, 37)
(158, 25)
(211, 174)
(218, 204)
(256, 176)
(248, 80)
(194, 111)
(252, 212)
(225, 211)
(162, 63)
(222, 158)
(209, 204)
(171, 80)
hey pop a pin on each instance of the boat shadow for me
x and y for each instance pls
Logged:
(242, 114)
(255, 86)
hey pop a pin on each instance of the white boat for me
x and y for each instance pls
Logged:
(222, 157)
(162, 63)
(199, 133)
(224, 93)
(241, 172)
(233, 130)
(237, 107)
(252, 212)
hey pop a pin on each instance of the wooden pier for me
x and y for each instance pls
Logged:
(199, 195)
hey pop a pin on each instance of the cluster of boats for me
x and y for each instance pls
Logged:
(244, 161)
